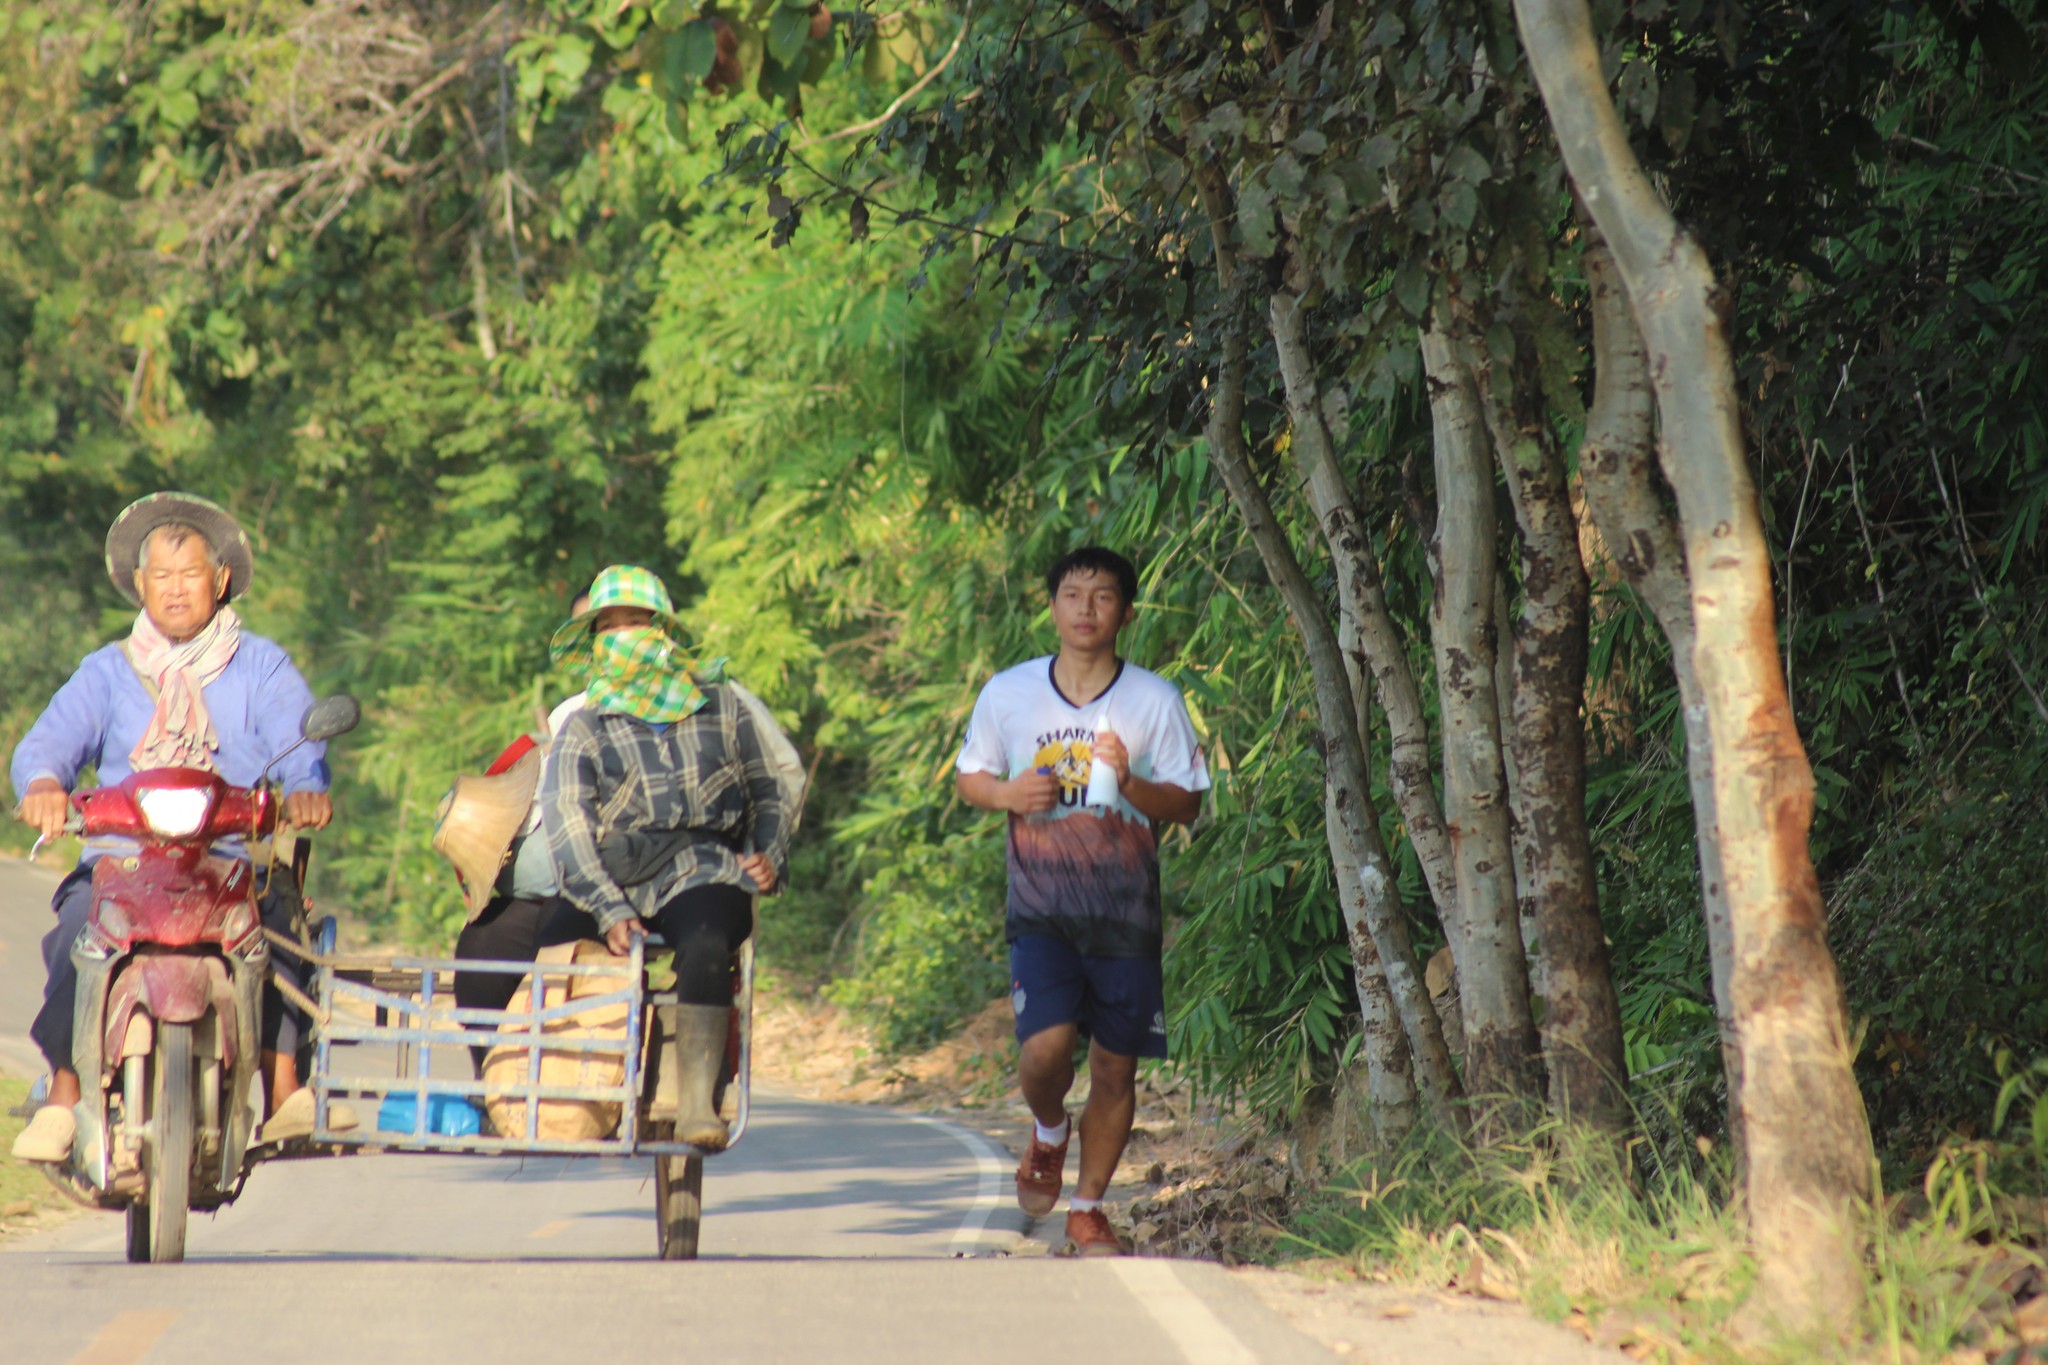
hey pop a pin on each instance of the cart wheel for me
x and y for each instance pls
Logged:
(678, 1205)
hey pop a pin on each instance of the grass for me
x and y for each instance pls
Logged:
(1646, 1253)
(20, 1183)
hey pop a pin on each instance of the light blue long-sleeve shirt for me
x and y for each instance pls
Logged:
(99, 715)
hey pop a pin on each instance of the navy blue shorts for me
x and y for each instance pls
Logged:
(1119, 1002)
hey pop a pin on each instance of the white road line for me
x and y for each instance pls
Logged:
(1190, 1323)
(988, 1194)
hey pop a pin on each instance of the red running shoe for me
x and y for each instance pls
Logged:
(1090, 1234)
(1040, 1175)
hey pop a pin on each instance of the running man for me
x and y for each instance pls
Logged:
(1083, 920)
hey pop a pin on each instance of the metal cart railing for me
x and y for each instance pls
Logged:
(397, 1016)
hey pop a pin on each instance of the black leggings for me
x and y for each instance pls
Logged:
(705, 925)
(508, 930)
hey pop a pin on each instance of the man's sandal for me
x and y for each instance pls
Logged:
(294, 1118)
(48, 1135)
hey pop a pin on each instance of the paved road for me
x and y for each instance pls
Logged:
(831, 1233)
(25, 893)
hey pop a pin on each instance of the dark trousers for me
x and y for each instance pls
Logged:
(508, 930)
(278, 906)
(704, 924)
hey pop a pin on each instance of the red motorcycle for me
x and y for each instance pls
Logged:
(171, 969)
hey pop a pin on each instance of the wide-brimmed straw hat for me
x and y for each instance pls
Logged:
(143, 516)
(621, 585)
(477, 820)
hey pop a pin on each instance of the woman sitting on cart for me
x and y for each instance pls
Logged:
(661, 807)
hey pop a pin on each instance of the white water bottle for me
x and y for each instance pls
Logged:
(1101, 777)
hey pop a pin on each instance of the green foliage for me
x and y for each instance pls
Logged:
(928, 952)
(1943, 955)
(2023, 1095)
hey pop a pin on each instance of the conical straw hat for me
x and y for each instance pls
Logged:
(477, 820)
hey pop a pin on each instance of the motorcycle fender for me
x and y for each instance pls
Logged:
(175, 989)
(168, 988)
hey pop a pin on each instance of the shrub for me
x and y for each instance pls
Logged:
(930, 946)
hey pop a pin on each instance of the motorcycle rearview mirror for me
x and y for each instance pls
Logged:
(324, 719)
(330, 716)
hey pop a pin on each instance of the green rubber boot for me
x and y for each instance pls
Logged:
(700, 1065)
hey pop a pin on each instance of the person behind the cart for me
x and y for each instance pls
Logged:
(188, 688)
(510, 884)
(661, 807)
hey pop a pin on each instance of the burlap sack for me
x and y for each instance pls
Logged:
(567, 1065)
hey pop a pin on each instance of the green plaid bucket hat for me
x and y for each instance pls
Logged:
(621, 585)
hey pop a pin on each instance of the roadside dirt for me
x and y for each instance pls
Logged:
(1195, 1182)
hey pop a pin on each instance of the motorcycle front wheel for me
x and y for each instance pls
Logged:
(156, 1222)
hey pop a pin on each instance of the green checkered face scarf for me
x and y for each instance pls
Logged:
(640, 672)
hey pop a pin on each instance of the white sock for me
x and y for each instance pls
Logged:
(1052, 1137)
(1076, 1204)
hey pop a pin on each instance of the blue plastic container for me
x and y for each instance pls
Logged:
(447, 1115)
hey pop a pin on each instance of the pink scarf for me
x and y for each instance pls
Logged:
(180, 733)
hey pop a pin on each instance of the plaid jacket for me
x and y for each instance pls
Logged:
(706, 775)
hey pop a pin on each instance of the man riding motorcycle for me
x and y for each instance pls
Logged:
(188, 688)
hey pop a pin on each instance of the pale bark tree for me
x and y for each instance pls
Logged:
(1559, 901)
(1469, 868)
(1617, 470)
(1412, 1058)
(1375, 919)
(1807, 1138)
(1362, 600)
(1390, 1061)
(1390, 1071)
(1493, 979)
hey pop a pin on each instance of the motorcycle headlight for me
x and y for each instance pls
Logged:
(175, 812)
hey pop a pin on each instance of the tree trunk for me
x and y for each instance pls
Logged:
(1389, 1061)
(1375, 916)
(1807, 1136)
(1581, 1028)
(1493, 978)
(1504, 699)
(1362, 603)
(1622, 494)
(1390, 1064)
